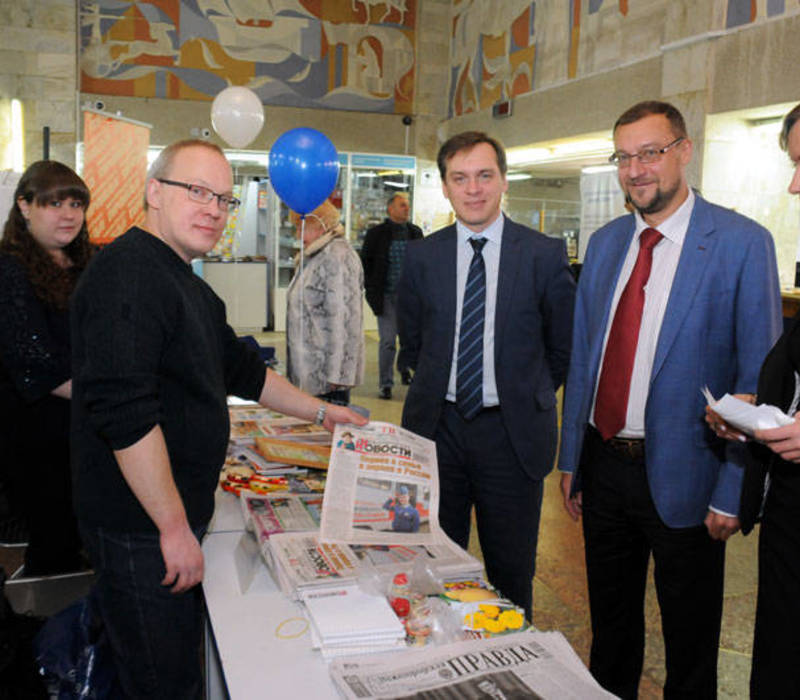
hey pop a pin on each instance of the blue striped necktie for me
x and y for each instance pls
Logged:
(469, 376)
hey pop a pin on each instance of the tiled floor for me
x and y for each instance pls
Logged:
(560, 596)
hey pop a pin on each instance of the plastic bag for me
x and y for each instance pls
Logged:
(18, 677)
(74, 655)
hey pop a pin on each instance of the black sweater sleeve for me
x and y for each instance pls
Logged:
(34, 356)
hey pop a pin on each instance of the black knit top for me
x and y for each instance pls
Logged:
(150, 345)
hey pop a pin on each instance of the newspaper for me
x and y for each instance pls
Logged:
(252, 422)
(383, 487)
(271, 514)
(529, 664)
(301, 561)
(745, 416)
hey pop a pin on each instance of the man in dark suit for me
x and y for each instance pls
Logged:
(382, 257)
(677, 295)
(485, 316)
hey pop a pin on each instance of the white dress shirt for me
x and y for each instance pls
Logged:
(665, 261)
(491, 258)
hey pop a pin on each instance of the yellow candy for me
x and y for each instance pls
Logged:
(511, 619)
(494, 626)
(479, 621)
(489, 610)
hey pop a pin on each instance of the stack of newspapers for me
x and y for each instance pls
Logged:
(300, 561)
(345, 620)
(379, 514)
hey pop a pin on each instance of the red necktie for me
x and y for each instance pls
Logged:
(611, 404)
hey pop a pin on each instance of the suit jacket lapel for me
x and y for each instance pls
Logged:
(608, 270)
(698, 246)
(506, 279)
(445, 264)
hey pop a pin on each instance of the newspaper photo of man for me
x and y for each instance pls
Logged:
(406, 515)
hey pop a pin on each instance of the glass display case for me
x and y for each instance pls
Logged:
(372, 180)
(556, 218)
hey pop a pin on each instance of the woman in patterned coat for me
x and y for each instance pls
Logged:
(324, 315)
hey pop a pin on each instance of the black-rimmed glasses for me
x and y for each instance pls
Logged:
(645, 156)
(198, 193)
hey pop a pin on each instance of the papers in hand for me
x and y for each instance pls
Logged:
(744, 416)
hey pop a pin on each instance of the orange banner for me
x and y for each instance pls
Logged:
(114, 169)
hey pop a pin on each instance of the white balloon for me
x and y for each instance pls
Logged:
(237, 115)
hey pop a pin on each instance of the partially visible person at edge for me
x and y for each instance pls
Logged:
(154, 361)
(771, 491)
(44, 248)
(325, 310)
(382, 254)
(678, 294)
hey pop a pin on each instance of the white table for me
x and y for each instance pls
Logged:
(263, 647)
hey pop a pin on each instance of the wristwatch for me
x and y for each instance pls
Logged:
(321, 411)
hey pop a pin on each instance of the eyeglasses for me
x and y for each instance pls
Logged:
(645, 156)
(198, 193)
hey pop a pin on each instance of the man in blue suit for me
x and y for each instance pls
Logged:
(678, 295)
(485, 318)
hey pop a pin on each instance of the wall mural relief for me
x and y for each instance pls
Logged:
(337, 54)
(746, 11)
(492, 52)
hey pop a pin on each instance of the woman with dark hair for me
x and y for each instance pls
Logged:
(44, 248)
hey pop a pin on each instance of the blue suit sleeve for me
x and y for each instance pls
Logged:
(758, 326)
(578, 389)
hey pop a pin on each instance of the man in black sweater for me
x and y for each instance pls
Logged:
(382, 257)
(154, 360)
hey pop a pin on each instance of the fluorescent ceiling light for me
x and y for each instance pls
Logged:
(518, 176)
(599, 169)
(259, 157)
(517, 156)
(565, 151)
(584, 147)
(17, 151)
(393, 183)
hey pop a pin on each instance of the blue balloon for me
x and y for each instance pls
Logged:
(303, 168)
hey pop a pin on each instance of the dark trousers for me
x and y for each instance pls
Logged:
(621, 529)
(478, 466)
(776, 645)
(155, 635)
(387, 343)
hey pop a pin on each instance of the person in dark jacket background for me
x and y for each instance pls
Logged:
(382, 256)
(771, 493)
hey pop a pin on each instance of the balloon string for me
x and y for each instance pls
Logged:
(300, 280)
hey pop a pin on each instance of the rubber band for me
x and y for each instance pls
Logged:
(303, 630)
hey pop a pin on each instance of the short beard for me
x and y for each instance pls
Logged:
(659, 201)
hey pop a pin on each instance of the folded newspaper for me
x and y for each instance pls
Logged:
(383, 487)
(529, 664)
(744, 416)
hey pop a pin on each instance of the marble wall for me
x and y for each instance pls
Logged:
(38, 67)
